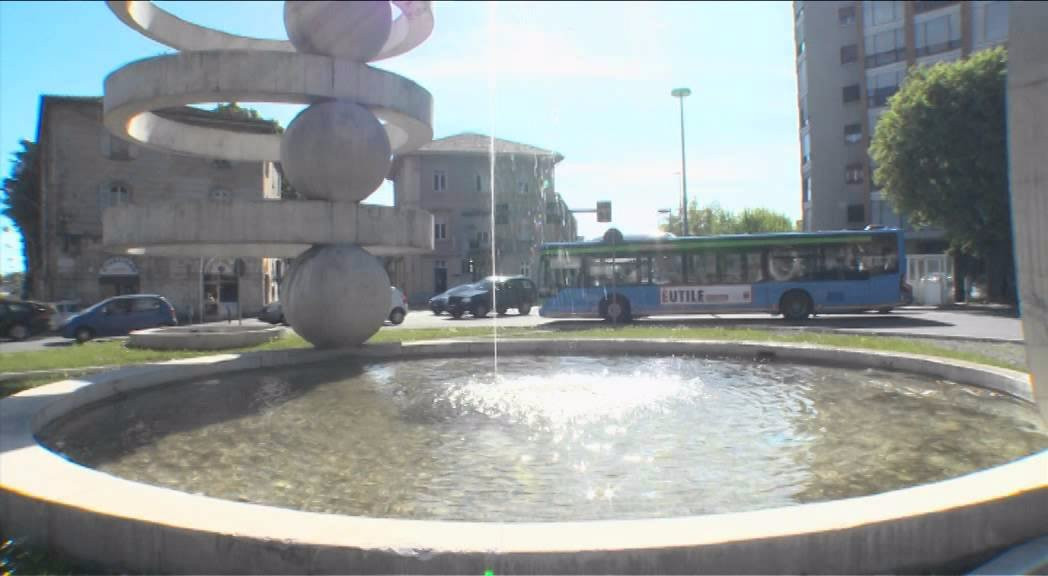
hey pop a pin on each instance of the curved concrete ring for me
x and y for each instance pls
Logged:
(135, 90)
(946, 526)
(410, 29)
(266, 228)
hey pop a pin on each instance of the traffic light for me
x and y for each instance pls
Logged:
(603, 211)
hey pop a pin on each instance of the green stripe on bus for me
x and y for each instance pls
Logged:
(680, 246)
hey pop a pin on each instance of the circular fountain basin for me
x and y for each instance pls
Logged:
(205, 337)
(684, 463)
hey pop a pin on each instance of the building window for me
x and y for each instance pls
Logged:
(853, 133)
(849, 53)
(989, 23)
(881, 86)
(884, 47)
(525, 269)
(800, 47)
(922, 6)
(480, 183)
(856, 213)
(805, 147)
(523, 187)
(114, 194)
(467, 266)
(502, 214)
(804, 112)
(440, 181)
(850, 93)
(806, 192)
(440, 231)
(878, 12)
(939, 34)
(853, 173)
(439, 264)
(846, 15)
(119, 149)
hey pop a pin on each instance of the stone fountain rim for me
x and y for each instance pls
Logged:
(32, 477)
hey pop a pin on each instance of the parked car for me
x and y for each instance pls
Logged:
(120, 315)
(504, 291)
(398, 306)
(20, 319)
(439, 303)
(64, 310)
(398, 309)
(272, 313)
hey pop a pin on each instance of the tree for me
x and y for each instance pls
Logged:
(941, 158)
(22, 191)
(716, 220)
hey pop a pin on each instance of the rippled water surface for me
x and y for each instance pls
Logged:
(565, 438)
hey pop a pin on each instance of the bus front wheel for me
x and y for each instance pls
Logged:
(795, 306)
(616, 310)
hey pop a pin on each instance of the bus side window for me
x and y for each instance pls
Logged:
(668, 269)
(754, 267)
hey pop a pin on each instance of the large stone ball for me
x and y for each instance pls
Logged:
(353, 30)
(335, 151)
(336, 295)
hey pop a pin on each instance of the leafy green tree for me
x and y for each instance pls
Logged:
(716, 220)
(22, 201)
(941, 158)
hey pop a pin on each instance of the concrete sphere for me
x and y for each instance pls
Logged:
(353, 30)
(335, 151)
(335, 295)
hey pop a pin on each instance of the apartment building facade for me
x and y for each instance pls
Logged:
(84, 170)
(452, 179)
(852, 57)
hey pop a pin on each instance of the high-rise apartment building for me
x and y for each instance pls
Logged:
(851, 57)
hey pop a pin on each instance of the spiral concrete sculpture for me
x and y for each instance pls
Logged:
(335, 153)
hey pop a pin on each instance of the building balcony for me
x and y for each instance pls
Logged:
(939, 47)
(879, 97)
(885, 58)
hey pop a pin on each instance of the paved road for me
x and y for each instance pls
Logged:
(929, 322)
(910, 321)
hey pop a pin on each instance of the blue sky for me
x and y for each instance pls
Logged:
(589, 80)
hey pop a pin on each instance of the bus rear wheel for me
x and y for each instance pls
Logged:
(795, 306)
(616, 310)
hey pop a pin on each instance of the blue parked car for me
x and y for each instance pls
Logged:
(120, 315)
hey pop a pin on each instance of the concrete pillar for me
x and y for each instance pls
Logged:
(1027, 151)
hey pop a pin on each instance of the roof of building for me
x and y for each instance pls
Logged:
(473, 143)
(186, 114)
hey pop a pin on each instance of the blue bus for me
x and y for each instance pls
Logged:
(795, 274)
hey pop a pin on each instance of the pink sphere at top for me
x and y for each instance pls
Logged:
(352, 30)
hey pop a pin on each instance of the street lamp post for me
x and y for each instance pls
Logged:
(680, 94)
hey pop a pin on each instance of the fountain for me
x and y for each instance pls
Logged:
(589, 456)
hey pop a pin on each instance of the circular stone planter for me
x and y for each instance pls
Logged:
(207, 337)
(950, 526)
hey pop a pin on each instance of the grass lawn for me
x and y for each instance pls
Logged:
(113, 353)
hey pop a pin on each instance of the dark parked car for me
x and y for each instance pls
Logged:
(273, 313)
(439, 303)
(509, 292)
(120, 315)
(21, 319)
